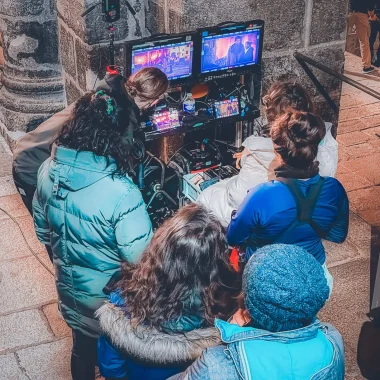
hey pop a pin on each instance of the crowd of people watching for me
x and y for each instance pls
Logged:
(171, 304)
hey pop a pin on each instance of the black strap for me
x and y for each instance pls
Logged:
(305, 205)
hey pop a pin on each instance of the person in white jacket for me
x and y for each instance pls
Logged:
(258, 159)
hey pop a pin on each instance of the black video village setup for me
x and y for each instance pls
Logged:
(213, 100)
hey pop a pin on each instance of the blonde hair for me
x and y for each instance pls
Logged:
(147, 84)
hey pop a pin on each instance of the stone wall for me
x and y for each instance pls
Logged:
(32, 84)
(316, 28)
(84, 42)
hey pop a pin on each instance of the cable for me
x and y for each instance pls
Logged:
(30, 248)
(170, 159)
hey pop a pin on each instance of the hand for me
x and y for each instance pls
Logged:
(239, 156)
(240, 318)
(373, 18)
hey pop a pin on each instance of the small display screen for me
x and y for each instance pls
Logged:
(166, 120)
(175, 60)
(230, 50)
(226, 108)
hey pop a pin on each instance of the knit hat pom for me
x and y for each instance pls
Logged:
(284, 287)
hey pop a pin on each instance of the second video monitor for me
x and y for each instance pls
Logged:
(215, 51)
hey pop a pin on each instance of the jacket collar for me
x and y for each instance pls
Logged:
(233, 333)
(85, 160)
(150, 345)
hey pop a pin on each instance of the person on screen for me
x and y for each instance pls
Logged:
(235, 52)
(249, 52)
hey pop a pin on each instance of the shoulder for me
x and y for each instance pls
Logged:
(333, 186)
(266, 190)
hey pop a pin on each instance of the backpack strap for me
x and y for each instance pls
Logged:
(305, 205)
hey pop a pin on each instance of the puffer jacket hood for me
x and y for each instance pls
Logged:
(151, 346)
(75, 170)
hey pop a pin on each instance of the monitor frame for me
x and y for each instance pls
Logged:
(225, 28)
(158, 41)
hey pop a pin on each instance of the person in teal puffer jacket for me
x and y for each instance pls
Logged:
(92, 214)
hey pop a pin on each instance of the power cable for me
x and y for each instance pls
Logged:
(24, 237)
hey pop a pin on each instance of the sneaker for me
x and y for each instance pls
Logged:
(368, 70)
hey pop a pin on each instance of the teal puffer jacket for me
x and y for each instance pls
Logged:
(93, 221)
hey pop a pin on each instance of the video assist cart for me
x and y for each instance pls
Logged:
(221, 67)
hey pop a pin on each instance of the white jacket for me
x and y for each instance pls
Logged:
(258, 167)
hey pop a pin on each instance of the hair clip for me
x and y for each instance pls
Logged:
(110, 102)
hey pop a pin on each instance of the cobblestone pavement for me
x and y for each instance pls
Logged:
(35, 343)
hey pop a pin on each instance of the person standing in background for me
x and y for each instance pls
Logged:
(375, 29)
(359, 11)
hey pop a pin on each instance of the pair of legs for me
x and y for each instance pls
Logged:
(84, 356)
(375, 29)
(361, 22)
(26, 192)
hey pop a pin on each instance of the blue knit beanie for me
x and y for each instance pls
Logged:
(284, 287)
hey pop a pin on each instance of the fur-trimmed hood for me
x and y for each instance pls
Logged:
(151, 346)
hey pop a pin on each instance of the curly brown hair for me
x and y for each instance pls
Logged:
(283, 96)
(187, 259)
(296, 136)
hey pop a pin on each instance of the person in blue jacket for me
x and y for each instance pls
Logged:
(298, 206)
(161, 315)
(276, 335)
(92, 214)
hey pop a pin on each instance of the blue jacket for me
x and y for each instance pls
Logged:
(146, 353)
(269, 209)
(314, 352)
(93, 221)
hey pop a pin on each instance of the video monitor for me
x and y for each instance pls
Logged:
(226, 108)
(172, 54)
(234, 48)
(167, 119)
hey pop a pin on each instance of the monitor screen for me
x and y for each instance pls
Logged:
(175, 60)
(167, 119)
(227, 108)
(230, 50)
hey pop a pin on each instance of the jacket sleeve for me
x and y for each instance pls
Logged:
(199, 370)
(111, 362)
(41, 224)
(133, 229)
(243, 220)
(339, 231)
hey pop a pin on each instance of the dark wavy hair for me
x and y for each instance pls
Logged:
(95, 126)
(296, 136)
(283, 96)
(187, 257)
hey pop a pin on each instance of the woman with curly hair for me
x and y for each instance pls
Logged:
(91, 213)
(161, 316)
(299, 207)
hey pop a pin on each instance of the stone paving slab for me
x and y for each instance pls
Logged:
(22, 329)
(336, 253)
(348, 307)
(25, 284)
(352, 181)
(367, 167)
(12, 244)
(7, 186)
(10, 369)
(359, 234)
(13, 205)
(366, 203)
(49, 361)
(57, 324)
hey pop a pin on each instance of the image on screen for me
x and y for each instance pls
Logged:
(226, 51)
(166, 120)
(226, 108)
(174, 60)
